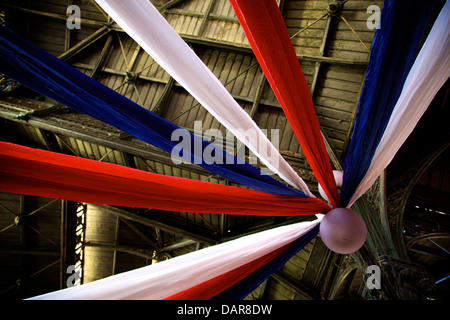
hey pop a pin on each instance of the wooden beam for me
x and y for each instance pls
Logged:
(100, 9)
(228, 46)
(50, 15)
(158, 224)
(332, 153)
(101, 59)
(263, 288)
(140, 233)
(50, 141)
(321, 58)
(140, 251)
(211, 16)
(352, 123)
(178, 245)
(134, 57)
(263, 102)
(85, 43)
(169, 5)
(118, 72)
(159, 238)
(116, 244)
(205, 18)
(284, 4)
(160, 107)
(258, 94)
(321, 54)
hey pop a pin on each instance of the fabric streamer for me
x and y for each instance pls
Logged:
(208, 289)
(33, 67)
(46, 174)
(392, 54)
(142, 22)
(167, 278)
(243, 288)
(268, 36)
(428, 74)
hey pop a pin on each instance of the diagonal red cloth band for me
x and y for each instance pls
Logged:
(46, 174)
(267, 34)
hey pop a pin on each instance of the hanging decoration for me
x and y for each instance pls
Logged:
(244, 287)
(212, 267)
(239, 282)
(46, 174)
(143, 22)
(268, 36)
(44, 73)
(343, 230)
(397, 90)
(428, 74)
(394, 48)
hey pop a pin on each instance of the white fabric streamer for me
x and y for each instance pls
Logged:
(142, 21)
(429, 72)
(166, 278)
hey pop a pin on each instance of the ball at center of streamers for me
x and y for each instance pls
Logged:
(343, 230)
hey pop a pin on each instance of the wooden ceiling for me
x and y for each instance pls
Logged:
(38, 236)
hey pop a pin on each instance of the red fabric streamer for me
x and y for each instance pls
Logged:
(46, 174)
(211, 288)
(268, 36)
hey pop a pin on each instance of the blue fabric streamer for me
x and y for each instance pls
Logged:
(393, 52)
(244, 287)
(42, 72)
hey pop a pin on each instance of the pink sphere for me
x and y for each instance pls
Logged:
(343, 230)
